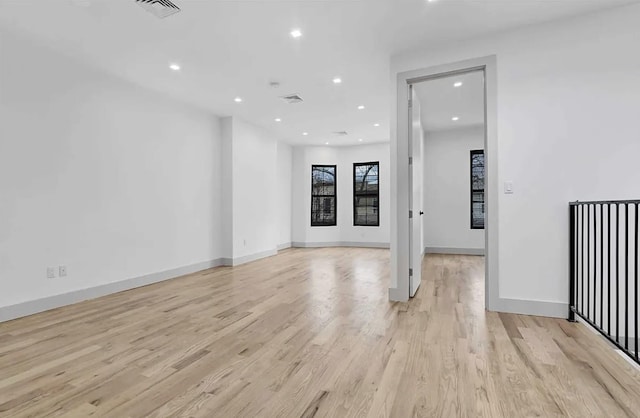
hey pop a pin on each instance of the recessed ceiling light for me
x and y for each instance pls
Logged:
(361, 107)
(455, 118)
(305, 133)
(376, 124)
(175, 67)
(238, 99)
(278, 120)
(326, 143)
(296, 33)
(431, 1)
(337, 80)
(457, 84)
(360, 140)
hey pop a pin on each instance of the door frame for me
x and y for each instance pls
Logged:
(400, 237)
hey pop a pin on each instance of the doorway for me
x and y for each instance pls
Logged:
(407, 253)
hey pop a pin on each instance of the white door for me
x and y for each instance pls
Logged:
(415, 195)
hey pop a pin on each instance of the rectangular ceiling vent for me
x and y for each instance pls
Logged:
(341, 133)
(159, 8)
(292, 98)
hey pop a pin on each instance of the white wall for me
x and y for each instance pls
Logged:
(345, 231)
(227, 187)
(255, 226)
(568, 100)
(447, 189)
(257, 191)
(108, 179)
(284, 182)
(120, 183)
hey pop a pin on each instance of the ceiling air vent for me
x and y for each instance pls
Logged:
(159, 8)
(292, 98)
(341, 133)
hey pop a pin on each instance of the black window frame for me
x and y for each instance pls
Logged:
(472, 190)
(375, 195)
(334, 195)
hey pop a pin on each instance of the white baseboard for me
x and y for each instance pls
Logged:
(340, 244)
(19, 310)
(249, 258)
(457, 251)
(533, 307)
(396, 295)
(284, 246)
(627, 358)
(515, 306)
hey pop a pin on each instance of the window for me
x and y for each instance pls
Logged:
(477, 189)
(366, 194)
(323, 195)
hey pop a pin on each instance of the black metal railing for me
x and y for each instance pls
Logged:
(603, 269)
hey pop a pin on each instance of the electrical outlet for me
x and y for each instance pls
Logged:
(51, 273)
(62, 271)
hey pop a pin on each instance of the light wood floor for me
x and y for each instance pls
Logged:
(308, 333)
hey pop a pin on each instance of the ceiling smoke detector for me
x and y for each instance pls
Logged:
(292, 98)
(159, 8)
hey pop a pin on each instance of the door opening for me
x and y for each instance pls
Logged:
(446, 142)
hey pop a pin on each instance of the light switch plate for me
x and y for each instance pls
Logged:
(508, 187)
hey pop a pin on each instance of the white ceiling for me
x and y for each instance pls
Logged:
(230, 48)
(440, 101)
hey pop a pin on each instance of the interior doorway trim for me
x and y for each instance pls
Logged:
(400, 237)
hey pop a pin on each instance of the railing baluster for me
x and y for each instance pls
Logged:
(595, 260)
(635, 287)
(617, 272)
(609, 268)
(588, 259)
(582, 261)
(572, 260)
(601, 265)
(626, 277)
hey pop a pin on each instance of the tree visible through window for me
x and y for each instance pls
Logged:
(477, 189)
(323, 195)
(366, 194)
